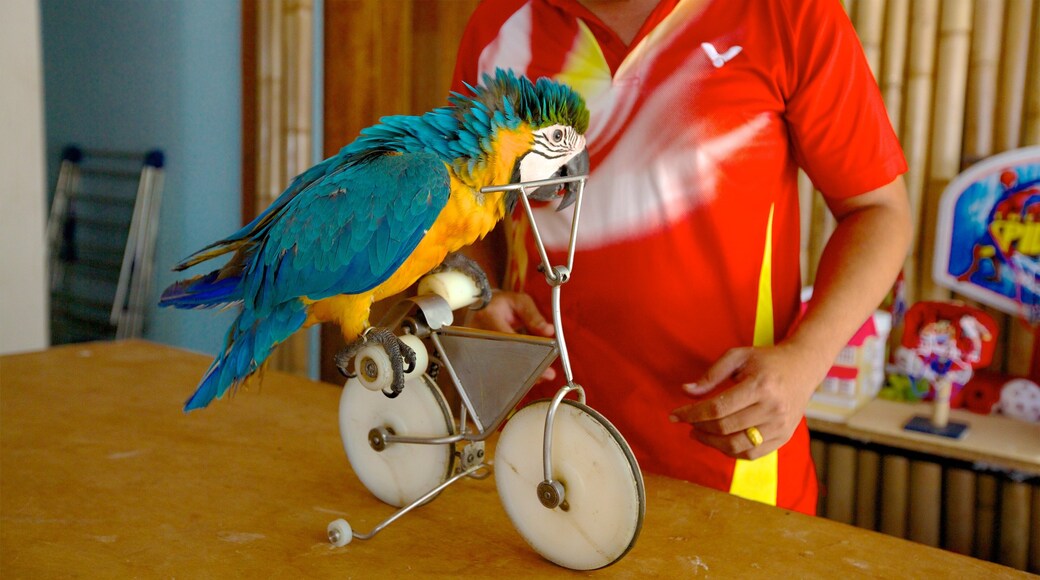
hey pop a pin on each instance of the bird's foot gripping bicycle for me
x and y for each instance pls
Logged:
(566, 477)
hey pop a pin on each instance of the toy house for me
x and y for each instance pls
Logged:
(857, 374)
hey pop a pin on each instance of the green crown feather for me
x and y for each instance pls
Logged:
(465, 130)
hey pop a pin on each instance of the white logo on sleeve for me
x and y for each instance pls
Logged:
(720, 59)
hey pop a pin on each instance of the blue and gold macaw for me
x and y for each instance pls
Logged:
(368, 222)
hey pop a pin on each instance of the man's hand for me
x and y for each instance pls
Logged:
(766, 388)
(512, 312)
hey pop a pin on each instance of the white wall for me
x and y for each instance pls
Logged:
(23, 289)
(142, 74)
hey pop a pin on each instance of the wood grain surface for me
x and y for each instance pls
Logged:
(103, 475)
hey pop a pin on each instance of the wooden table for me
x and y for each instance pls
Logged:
(102, 474)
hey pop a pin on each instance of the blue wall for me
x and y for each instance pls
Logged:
(141, 74)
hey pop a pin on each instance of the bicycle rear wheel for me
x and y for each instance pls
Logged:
(402, 472)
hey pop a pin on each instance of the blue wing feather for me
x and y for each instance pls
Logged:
(343, 234)
(349, 232)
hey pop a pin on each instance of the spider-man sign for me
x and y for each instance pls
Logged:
(988, 242)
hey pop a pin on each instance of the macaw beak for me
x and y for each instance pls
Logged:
(578, 165)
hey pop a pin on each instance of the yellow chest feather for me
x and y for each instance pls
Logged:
(467, 217)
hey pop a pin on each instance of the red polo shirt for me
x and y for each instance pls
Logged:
(689, 236)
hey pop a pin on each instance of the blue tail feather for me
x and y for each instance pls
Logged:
(248, 343)
(205, 291)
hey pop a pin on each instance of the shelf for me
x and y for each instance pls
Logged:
(991, 440)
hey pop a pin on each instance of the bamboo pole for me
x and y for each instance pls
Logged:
(917, 123)
(850, 8)
(818, 451)
(264, 101)
(867, 472)
(805, 213)
(1014, 525)
(1031, 116)
(959, 512)
(893, 62)
(985, 516)
(948, 128)
(300, 130)
(893, 70)
(1018, 352)
(895, 477)
(981, 97)
(291, 135)
(272, 175)
(869, 22)
(841, 482)
(1034, 533)
(821, 226)
(925, 502)
(1014, 61)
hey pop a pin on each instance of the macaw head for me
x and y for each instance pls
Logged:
(537, 129)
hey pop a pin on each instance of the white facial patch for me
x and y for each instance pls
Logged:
(553, 147)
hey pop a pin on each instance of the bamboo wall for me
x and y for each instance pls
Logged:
(988, 514)
(961, 80)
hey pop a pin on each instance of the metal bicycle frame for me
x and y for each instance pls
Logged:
(437, 314)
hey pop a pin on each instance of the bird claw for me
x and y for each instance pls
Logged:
(344, 356)
(402, 357)
(466, 265)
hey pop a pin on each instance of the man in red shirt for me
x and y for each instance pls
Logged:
(680, 315)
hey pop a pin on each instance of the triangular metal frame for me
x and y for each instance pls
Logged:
(492, 371)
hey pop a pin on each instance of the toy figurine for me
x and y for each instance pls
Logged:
(943, 343)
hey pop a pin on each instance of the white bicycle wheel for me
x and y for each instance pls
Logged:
(401, 472)
(604, 499)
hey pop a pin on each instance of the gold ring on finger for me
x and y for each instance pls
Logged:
(754, 435)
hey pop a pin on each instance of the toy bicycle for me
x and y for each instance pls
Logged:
(565, 476)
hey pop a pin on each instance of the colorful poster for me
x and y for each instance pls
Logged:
(987, 244)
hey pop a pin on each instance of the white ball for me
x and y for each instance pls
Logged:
(1020, 399)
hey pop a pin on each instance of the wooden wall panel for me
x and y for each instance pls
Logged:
(249, 102)
(384, 58)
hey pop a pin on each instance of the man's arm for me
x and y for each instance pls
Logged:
(771, 386)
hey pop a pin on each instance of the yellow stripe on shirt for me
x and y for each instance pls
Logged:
(757, 480)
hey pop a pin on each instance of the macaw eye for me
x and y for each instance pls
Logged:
(557, 136)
